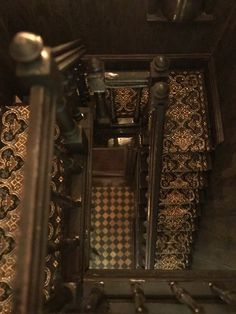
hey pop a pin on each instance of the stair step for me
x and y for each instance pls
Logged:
(170, 242)
(179, 210)
(179, 196)
(179, 223)
(185, 180)
(186, 162)
(182, 237)
(170, 147)
(171, 261)
(190, 136)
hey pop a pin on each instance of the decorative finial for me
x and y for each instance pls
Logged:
(26, 47)
(161, 90)
(161, 63)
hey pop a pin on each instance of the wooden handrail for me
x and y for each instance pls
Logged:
(157, 108)
(37, 69)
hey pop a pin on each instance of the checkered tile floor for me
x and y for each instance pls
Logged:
(112, 223)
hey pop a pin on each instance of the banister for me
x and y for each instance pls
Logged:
(38, 70)
(157, 107)
(34, 219)
(56, 51)
(70, 58)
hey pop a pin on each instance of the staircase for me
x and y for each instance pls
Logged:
(56, 219)
(185, 163)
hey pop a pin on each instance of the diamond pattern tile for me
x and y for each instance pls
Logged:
(111, 222)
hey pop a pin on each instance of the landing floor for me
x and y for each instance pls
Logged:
(112, 223)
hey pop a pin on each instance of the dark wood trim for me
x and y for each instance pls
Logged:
(108, 174)
(161, 275)
(62, 296)
(178, 61)
(155, 284)
(147, 57)
(215, 117)
(118, 131)
(76, 224)
(154, 14)
(141, 62)
(34, 220)
(14, 104)
(154, 173)
(230, 19)
(87, 189)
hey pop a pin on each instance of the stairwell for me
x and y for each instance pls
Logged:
(186, 161)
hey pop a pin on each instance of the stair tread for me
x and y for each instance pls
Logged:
(171, 261)
(174, 242)
(179, 196)
(201, 145)
(186, 127)
(184, 180)
(185, 162)
(173, 223)
(180, 210)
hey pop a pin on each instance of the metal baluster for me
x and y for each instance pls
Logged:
(65, 201)
(185, 298)
(70, 92)
(75, 138)
(138, 104)
(62, 295)
(82, 88)
(70, 162)
(112, 108)
(226, 295)
(95, 297)
(63, 245)
(96, 82)
(139, 298)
